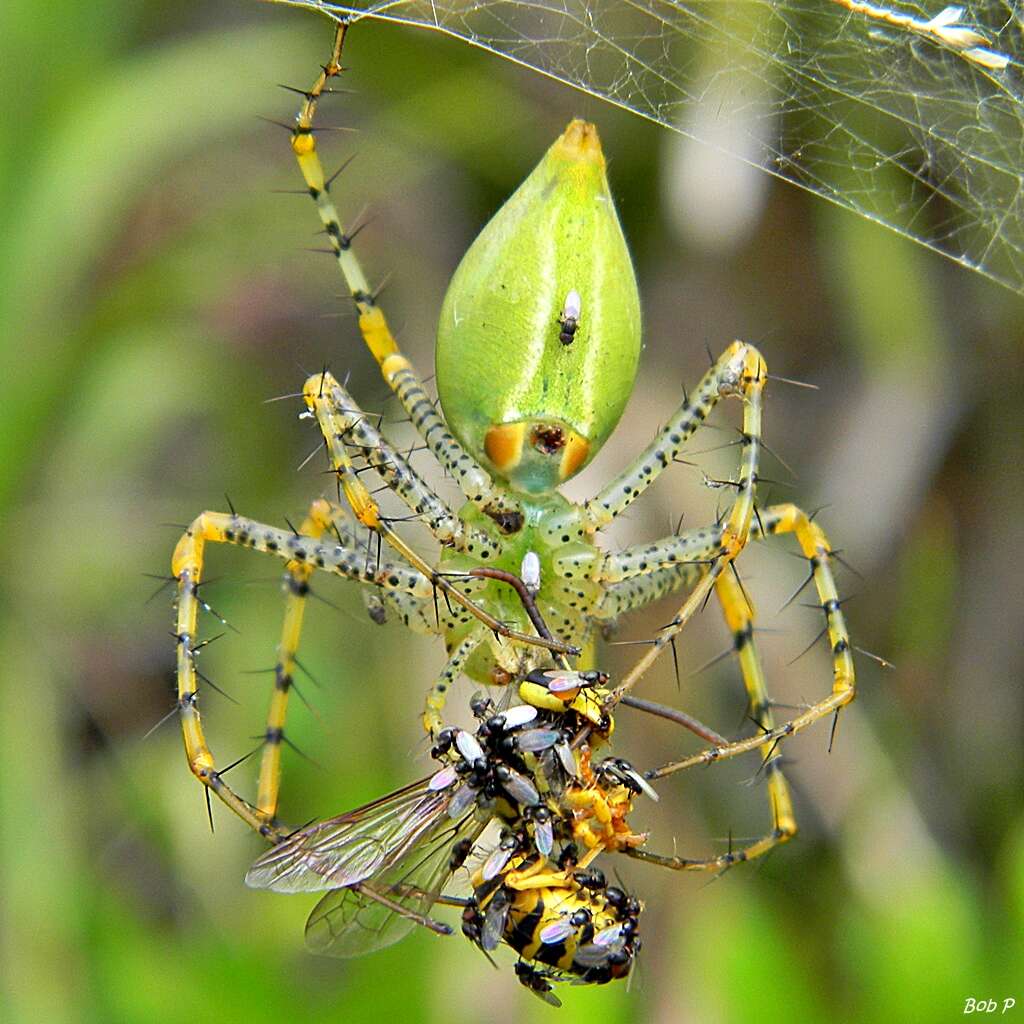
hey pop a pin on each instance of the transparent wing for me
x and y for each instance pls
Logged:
(908, 112)
(377, 913)
(354, 846)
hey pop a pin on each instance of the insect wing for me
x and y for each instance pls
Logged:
(520, 788)
(442, 779)
(495, 919)
(568, 761)
(532, 740)
(354, 846)
(557, 931)
(518, 716)
(537, 983)
(496, 862)
(468, 746)
(548, 996)
(462, 800)
(377, 913)
(604, 944)
(348, 923)
(544, 837)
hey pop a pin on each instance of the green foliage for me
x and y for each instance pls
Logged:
(152, 295)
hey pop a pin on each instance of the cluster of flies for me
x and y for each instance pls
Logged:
(547, 806)
(521, 807)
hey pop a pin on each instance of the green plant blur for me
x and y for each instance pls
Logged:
(154, 291)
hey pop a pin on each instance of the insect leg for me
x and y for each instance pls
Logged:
(437, 696)
(818, 552)
(318, 392)
(473, 480)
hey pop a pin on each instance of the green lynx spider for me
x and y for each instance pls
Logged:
(537, 352)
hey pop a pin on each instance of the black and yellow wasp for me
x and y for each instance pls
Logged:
(383, 866)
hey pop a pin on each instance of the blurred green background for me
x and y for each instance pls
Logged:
(154, 292)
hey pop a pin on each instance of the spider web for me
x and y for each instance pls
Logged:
(912, 118)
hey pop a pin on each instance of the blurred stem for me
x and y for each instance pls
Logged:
(40, 854)
(116, 132)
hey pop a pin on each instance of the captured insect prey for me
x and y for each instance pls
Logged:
(510, 824)
(383, 867)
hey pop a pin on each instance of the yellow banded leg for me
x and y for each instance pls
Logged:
(739, 618)
(320, 518)
(694, 602)
(320, 554)
(818, 552)
(473, 480)
(319, 393)
(437, 696)
(200, 758)
(298, 550)
(348, 419)
(740, 621)
(740, 372)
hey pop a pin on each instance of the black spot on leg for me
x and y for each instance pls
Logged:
(743, 636)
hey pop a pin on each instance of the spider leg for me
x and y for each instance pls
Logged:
(296, 582)
(739, 372)
(473, 480)
(322, 399)
(740, 620)
(695, 548)
(437, 696)
(322, 517)
(818, 552)
(639, 591)
(424, 617)
(338, 414)
(300, 551)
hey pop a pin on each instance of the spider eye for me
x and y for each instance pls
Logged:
(539, 335)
